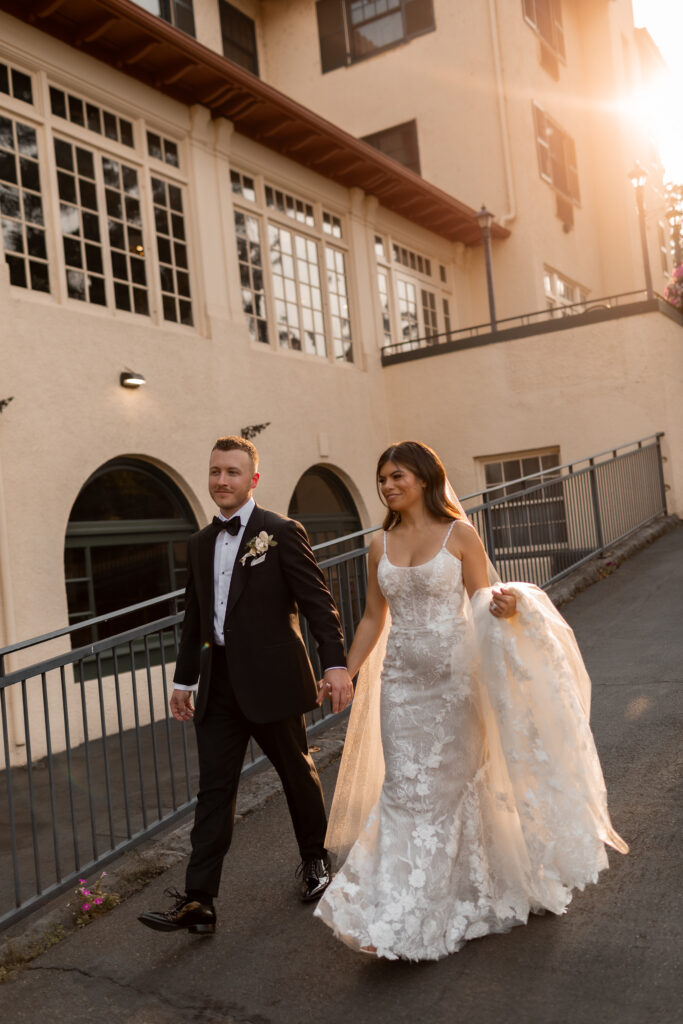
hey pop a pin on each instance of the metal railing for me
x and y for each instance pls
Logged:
(589, 309)
(103, 766)
(540, 527)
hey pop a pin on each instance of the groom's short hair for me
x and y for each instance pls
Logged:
(232, 443)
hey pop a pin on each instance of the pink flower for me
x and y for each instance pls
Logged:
(81, 881)
(97, 901)
(86, 906)
(85, 892)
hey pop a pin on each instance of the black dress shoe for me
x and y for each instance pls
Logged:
(315, 875)
(198, 918)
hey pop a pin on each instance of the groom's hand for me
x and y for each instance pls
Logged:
(337, 685)
(181, 705)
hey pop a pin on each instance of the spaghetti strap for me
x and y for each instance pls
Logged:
(384, 534)
(445, 540)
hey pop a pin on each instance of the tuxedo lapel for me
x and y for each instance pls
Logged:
(207, 543)
(240, 572)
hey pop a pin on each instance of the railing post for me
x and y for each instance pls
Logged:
(488, 530)
(596, 505)
(660, 467)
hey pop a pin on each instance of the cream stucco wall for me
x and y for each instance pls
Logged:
(571, 389)
(583, 389)
(470, 86)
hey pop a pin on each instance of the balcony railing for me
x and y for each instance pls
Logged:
(93, 763)
(541, 321)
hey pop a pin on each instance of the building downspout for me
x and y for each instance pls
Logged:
(14, 723)
(511, 211)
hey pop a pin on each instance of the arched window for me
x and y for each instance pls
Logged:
(323, 504)
(125, 543)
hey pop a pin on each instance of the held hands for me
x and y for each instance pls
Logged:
(336, 684)
(181, 705)
(503, 603)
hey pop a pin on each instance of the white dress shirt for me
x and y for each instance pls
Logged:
(224, 555)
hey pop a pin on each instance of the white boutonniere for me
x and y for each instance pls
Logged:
(258, 546)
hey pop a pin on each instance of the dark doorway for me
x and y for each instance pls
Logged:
(125, 543)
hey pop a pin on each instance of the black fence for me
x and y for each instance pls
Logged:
(93, 763)
(538, 528)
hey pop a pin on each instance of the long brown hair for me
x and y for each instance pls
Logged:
(423, 461)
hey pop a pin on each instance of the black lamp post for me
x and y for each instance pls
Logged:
(638, 178)
(485, 220)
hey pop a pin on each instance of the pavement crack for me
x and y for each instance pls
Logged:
(206, 1013)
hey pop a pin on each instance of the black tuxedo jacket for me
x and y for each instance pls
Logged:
(267, 663)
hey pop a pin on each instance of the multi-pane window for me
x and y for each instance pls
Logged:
(252, 287)
(407, 310)
(350, 30)
(431, 327)
(177, 12)
(399, 143)
(546, 18)
(163, 149)
(85, 230)
(534, 515)
(15, 83)
(297, 209)
(556, 155)
(384, 304)
(297, 290)
(340, 319)
(174, 274)
(89, 115)
(239, 37)
(332, 225)
(303, 282)
(561, 292)
(412, 260)
(446, 306)
(243, 185)
(410, 297)
(21, 207)
(124, 225)
(80, 223)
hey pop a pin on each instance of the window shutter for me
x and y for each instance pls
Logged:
(331, 33)
(419, 16)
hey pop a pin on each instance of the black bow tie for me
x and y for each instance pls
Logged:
(233, 525)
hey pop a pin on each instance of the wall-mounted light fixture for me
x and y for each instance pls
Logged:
(130, 379)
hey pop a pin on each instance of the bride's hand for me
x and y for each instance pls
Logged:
(503, 603)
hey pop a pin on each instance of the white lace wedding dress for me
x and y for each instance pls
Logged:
(492, 804)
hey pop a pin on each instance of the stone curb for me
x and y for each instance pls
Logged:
(137, 867)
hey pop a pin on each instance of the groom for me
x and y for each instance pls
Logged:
(249, 574)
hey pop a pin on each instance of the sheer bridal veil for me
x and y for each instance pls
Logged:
(533, 693)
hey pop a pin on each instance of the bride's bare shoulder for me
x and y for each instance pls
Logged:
(463, 537)
(376, 545)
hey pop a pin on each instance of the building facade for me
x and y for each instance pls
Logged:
(246, 203)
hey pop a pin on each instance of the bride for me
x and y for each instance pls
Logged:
(484, 800)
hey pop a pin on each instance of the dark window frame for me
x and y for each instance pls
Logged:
(545, 17)
(405, 135)
(556, 149)
(235, 21)
(336, 29)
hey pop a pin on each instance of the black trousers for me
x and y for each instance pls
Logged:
(222, 739)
